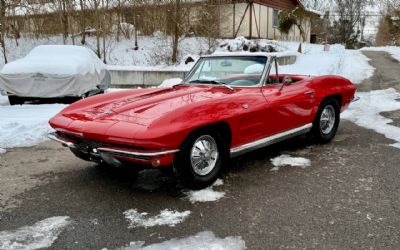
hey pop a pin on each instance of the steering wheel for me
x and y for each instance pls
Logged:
(242, 83)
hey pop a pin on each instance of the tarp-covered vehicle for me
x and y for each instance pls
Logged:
(54, 71)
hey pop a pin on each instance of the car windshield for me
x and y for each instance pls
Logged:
(231, 71)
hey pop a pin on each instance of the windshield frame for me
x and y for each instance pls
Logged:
(264, 73)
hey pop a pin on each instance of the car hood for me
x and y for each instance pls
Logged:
(146, 106)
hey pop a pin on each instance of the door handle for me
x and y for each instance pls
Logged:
(311, 93)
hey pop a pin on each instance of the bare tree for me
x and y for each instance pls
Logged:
(348, 16)
(2, 28)
(177, 29)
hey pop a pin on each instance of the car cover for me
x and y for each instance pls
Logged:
(54, 71)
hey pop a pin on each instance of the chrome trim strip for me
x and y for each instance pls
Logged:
(55, 137)
(136, 154)
(269, 140)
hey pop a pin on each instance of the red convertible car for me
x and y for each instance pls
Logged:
(228, 105)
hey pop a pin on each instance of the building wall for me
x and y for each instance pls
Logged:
(261, 24)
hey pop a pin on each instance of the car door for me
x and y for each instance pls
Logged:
(289, 106)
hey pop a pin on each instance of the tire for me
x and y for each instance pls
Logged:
(16, 100)
(201, 159)
(326, 121)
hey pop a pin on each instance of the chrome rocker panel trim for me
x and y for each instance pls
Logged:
(245, 148)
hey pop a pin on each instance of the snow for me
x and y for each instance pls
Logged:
(166, 217)
(241, 44)
(56, 60)
(151, 53)
(25, 125)
(170, 82)
(3, 100)
(2, 151)
(316, 12)
(366, 112)
(392, 50)
(40, 235)
(206, 195)
(351, 64)
(201, 241)
(287, 160)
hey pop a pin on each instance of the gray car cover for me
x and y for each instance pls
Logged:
(54, 71)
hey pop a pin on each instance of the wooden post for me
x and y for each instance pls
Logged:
(234, 20)
(251, 21)
(241, 21)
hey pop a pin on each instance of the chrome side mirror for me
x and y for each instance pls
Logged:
(287, 80)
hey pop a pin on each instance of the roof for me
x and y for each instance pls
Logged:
(279, 4)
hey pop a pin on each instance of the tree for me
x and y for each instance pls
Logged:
(347, 19)
(299, 18)
(2, 28)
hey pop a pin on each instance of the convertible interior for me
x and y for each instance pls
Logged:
(251, 80)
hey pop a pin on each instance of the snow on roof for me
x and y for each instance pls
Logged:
(317, 12)
(56, 60)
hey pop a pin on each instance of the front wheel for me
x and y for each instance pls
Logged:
(201, 159)
(327, 121)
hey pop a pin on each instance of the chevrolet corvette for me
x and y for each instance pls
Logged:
(228, 105)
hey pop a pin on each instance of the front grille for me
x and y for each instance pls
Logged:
(87, 145)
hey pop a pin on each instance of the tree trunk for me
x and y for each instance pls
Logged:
(82, 22)
(2, 28)
(64, 20)
(175, 37)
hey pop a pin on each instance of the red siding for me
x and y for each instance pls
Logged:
(279, 4)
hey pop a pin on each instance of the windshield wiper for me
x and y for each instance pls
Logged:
(213, 82)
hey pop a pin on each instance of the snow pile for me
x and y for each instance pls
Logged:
(2, 151)
(40, 235)
(201, 241)
(366, 112)
(4, 100)
(314, 61)
(166, 217)
(287, 160)
(207, 194)
(170, 82)
(392, 50)
(25, 125)
(57, 60)
(256, 45)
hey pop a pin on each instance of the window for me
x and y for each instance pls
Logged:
(231, 70)
(276, 18)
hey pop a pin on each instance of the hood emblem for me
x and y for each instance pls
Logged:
(245, 106)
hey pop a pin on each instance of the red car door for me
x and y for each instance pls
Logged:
(288, 107)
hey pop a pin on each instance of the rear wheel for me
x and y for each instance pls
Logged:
(16, 100)
(201, 159)
(326, 121)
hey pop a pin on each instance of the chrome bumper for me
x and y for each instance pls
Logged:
(109, 154)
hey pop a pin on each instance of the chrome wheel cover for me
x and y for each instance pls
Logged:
(204, 155)
(327, 120)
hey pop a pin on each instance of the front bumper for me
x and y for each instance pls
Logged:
(115, 155)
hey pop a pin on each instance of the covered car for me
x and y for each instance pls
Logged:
(54, 71)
